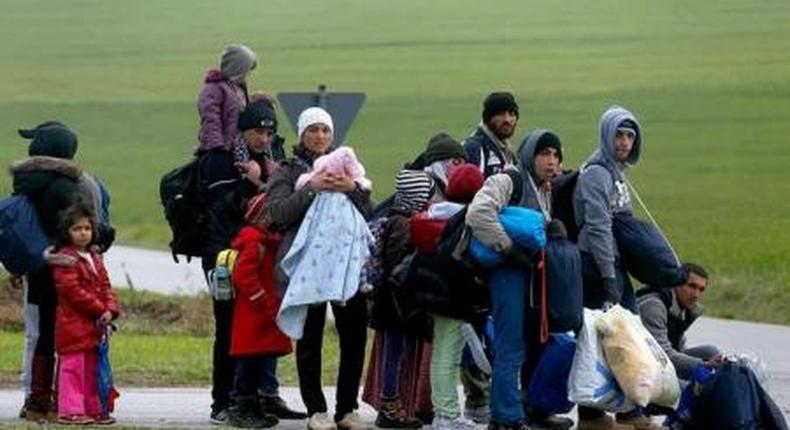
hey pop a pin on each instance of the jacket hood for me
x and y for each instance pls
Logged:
(247, 236)
(35, 173)
(214, 75)
(526, 151)
(610, 121)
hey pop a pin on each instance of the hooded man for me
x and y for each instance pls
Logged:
(50, 179)
(602, 191)
(487, 147)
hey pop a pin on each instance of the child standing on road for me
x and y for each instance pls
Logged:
(85, 305)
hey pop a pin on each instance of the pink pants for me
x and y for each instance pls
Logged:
(78, 392)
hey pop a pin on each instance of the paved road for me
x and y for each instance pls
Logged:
(188, 407)
(153, 270)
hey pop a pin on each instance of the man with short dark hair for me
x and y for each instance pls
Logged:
(488, 147)
(667, 313)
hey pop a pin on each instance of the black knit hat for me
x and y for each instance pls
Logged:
(549, 140)
(498, 102)
(442, 147)
(259, 113)
(52, 139)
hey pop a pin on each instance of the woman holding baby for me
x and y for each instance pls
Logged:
(316, 180)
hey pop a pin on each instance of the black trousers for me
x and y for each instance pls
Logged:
(223, 364)
(351, 322)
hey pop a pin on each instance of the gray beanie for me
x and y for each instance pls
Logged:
(237, 60)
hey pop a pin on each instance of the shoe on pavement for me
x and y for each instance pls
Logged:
(480, 414)
(246, 413)
(641, 423)
(76, 419)
(457, 423)
(275, 405)
(393, 416)
(603, 423)
(352, 421)
(219, 416)
(551, 422)
(512, 426)
(320, 421)
(103, 420)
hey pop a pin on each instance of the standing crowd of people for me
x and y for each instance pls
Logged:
(304, 234)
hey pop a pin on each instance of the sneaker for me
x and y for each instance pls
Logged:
(275, 405)
(249, 418)
(352, 421)
(219, 416)
(393, 416)
(641, 423)
(79, 420)
(603, 423)
(457, 423)
(479, 415)
(320, 421)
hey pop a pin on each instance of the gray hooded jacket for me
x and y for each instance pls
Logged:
(531, 196)
(602, 191)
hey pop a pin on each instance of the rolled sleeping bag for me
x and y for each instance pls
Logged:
(526, 227)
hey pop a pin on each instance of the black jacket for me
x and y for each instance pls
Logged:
(224, 194)
(50, 183)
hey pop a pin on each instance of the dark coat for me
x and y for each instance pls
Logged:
(83, 296)
(224, 194)
(257, 301)
(483, 152)
(50, 183)
(287, 207)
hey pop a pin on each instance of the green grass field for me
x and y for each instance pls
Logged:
(709, 80)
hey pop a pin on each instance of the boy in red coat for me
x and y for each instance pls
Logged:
(85, 305)
(256, 342)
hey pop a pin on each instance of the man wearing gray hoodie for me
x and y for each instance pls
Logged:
(601, 192)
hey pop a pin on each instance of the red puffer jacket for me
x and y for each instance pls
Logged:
(255, 330)
(83, 296)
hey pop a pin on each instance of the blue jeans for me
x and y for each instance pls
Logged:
(255, 375)
(508, 289)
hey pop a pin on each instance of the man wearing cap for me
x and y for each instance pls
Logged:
(602, 191)
(488, 147)
(227, 180)
(50, 179)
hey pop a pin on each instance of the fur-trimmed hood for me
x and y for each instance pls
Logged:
(35, 173)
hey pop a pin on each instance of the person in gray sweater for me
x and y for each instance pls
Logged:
(668, 313)
(602, 191)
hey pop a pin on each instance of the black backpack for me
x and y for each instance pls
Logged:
(562, 188)
(447, 282)
(178, 191)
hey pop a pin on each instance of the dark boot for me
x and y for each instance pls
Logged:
(393, 416)
(40, 401)
(247, 414)
(539, 421)
(275, 405)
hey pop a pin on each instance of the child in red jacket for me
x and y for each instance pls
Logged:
(256, 341)
(85, 306)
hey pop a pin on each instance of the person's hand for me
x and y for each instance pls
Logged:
(610, 290)
(250, 170)
(517, 257)
(16, 282)
(321, 181)
(343, 184)
(105, 318)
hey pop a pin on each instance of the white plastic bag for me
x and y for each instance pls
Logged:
(591, 383)
(641, 367)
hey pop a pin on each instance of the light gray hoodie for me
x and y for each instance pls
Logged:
(602, 191)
